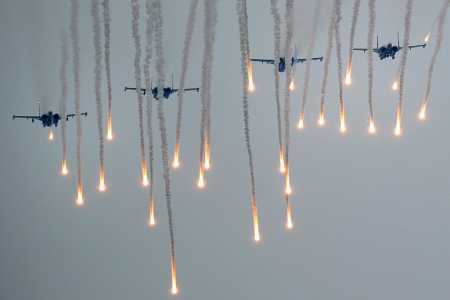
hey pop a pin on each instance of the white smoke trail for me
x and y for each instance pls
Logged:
(63, 101)
(277, 45)
(402, 66)
(289, 17)
(98, 78)
(243, 35)
(356, 6)
(74, 33)
(326, 66)
(440, 35)
(107, 46)
(158, 23)
(137, 75)
(337, 37)
(311, 46)
(185, 63)
(148, 56)
(372, 18)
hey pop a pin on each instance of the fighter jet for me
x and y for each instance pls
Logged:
(164, 92)
(389, 50)
(282, 61)
(49, 119)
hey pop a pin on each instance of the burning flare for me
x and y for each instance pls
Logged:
(101, 181)
(151, 214)
(342, 125)
(51, 137)
(292, 85)
(207, 157)
(321, 120)
(289, 222)
(372, 129)
(109, 132)
(398, 123)
(348, 75)
(176, 157)
(288, 189)
(427, 38)
(255, 217)
(201, 178)
(144, 174)
(395, 85)
(282, 165)
(80, 199)
(173, 269)
(64, 169)
(423, 112)
(301, 121)
(251, 84)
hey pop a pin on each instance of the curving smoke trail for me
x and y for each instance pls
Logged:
(402, 66)
(74, 33)
(337, 37)
(137, 74)
(244, 46)
(158, 30)
(148, 56)
(326, 67)
(356, 6)
(311, 46)
(98, 82)
(185, 64)
(440, 35)
(372, 18)
(107, 46)
(277, 45)
(63, 101)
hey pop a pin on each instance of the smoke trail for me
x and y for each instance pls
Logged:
(277, 45)
(162, 126)
(107, 34)
(137, 75)
(337, 37)
(312, 43)
(74, 33)
(402, 66)
(437, 48)
(372, 17)
(243, 34)
(326, 67)
(148, 56)
(185, 64)
(289, 17)
(356, 5)
(63, 101)
(98, 80)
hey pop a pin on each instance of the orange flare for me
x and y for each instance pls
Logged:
(80, 199)
(398, 123)
(255, 217)
(288, 189)
(301, 121)
(201, 178)
(144, 174)
(289, 222)
(321, 120)
(427, 38)
(207, 157)
(173, 268)
(282, 165)
(64, 169)
(423, 112)
(251, 84)
(395, 85)
(101, 182)
(51, 137)
(151, 214)
(292, 85)
(342, 125)
(176, 157)
(109, 133)
(348, 75)
(372, 129)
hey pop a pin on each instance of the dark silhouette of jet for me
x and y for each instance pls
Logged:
(49, 119)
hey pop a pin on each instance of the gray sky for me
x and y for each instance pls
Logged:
(371, 213)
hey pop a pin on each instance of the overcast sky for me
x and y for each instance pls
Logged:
(370, 212)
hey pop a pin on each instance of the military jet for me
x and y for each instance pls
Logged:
(48, 119)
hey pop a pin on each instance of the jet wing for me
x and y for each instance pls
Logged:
(302, 60)
(133, 89)
(73, 115)
(417, 46)
(26, 117)
(187, 90)
(361, 49)
(264, 61)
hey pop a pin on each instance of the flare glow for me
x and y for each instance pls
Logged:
(176, 157)
(144, 174)
(288, 189)
(101, 182)
(251, 84)
(289, 222)
(51, 137)
(423, 112)
(395, 85)
(173, 268)
(348, 75)
(398, 123)
(64, 169)
(80, 199)
(282, 165)
(151, 214)
(109, 132)
(301, 121)
(372, 129)
(201, 178)
(255, 217)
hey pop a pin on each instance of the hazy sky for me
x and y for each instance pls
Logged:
(371, 213)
